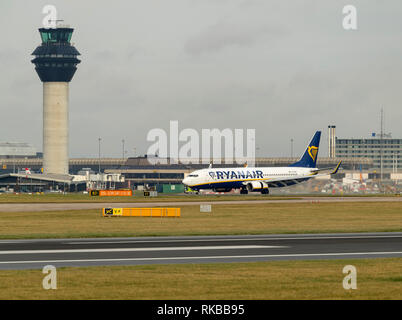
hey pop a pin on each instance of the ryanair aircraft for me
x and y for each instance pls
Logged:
(259, 179)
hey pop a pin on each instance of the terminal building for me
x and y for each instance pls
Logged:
(385, 152)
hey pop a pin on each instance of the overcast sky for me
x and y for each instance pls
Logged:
(285, 68)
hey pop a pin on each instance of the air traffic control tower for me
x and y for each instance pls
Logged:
(55, 62)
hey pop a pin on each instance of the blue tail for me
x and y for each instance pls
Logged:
(309, 158)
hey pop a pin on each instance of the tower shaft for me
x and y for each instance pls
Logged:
(55, 127)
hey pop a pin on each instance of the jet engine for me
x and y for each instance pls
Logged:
(256, 186)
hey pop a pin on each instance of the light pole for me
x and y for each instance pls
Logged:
(291, 148)
(99, 140)
(381, 145)
(122, 141)
(99, 160)
(14, 160)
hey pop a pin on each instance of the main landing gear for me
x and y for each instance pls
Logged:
(265, 191)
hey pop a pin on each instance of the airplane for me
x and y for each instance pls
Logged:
(259, 179)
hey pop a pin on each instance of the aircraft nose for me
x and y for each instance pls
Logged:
(185, 181)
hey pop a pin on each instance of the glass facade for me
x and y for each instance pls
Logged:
(56, 35)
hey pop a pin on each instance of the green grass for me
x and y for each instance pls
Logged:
(238, 218)
(317, 279)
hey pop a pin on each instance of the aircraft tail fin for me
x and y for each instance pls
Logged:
(309, 158)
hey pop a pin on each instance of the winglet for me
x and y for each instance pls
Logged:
(336, 168)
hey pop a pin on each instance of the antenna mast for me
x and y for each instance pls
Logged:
(381, 144)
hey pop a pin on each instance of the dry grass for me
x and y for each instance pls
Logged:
(376, 279)
(224, 219)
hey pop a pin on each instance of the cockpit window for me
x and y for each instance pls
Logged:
(193, 175)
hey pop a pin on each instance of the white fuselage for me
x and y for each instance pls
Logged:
(257, 177)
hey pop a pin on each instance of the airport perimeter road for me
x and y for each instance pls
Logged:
(29, 207)
(32, 254)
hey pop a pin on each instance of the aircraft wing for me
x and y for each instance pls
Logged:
(284, 182)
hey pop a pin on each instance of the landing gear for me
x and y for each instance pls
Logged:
(243, 191)
(265, 191)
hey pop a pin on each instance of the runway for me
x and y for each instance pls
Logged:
(33, 254)
(32, 207)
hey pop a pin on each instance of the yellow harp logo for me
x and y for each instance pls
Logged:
(312, 151)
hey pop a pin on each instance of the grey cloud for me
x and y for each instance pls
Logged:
(222, 35)
(105, 55)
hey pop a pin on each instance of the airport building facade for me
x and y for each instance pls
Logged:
(386, 151)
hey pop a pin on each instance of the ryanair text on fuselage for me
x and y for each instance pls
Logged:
(220, 175)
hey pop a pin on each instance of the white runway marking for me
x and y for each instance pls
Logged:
(210, 257)
(135, 249)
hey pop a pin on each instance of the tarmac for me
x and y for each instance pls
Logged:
(34, 254)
